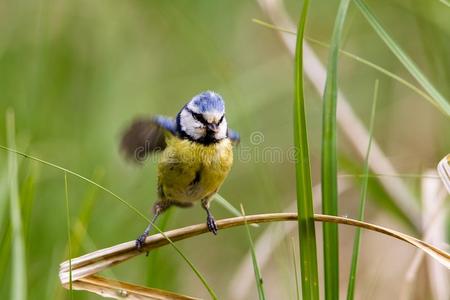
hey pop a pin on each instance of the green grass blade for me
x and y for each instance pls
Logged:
(362, 205)
(191, 265)
(78, 235)
(412, 68)
(258, 278)
(329, 161)
(19, 272)
(305, 208)
(379, 195)
(127, 204)
(228, 206)
(81, 223)
(69, 243)
(157, 273)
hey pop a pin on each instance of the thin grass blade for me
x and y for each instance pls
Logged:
(407, 62)
(329, 160)
(81, 223)
(228, 206)
(305, 205)
(362, 203)
(157, 274)
(19, 271)
(258, 277)
(69, 228)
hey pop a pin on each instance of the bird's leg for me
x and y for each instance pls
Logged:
(158, 208)
(210, 222)
(141, 239)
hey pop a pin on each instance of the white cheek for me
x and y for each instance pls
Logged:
(222, 133)
(192, 127)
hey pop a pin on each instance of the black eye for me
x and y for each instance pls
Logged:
(221, 119)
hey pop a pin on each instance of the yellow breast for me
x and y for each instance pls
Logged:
(190, 171)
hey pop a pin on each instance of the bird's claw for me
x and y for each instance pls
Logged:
(140, 241)
(211, 223)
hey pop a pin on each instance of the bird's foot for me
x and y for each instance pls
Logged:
(140, 241)
(211, 223)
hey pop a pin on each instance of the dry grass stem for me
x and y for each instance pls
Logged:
(120, 290)
(433, 227)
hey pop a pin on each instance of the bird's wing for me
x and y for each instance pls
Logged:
(234, 136)
(146, 136)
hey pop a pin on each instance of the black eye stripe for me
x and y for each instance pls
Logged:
(197, 116)
(201, 119)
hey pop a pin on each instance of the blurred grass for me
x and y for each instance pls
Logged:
(76, 72)
(356, 58)
(329, 159)
(3, 193)
(19, 288)
(127, 204)
(294, 262)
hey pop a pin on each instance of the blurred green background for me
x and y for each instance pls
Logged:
(75, 73)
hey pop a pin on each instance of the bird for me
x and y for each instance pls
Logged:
(196, 154)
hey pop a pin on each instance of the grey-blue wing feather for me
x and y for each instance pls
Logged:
(234, 136)
(168, 124)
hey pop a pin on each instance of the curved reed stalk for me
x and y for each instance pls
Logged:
(121, 290)
(89, 264)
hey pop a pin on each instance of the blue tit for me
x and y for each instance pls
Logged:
(196, 154)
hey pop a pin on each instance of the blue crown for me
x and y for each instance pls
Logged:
(208, 101)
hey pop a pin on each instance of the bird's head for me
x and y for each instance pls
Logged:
(203, 118)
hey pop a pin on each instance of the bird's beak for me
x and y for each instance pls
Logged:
(213, 127)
